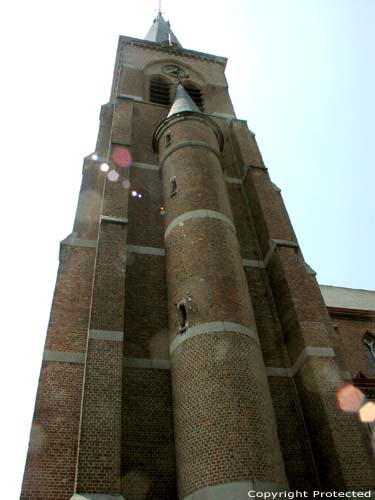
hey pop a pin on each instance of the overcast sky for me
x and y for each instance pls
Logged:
(301, 72)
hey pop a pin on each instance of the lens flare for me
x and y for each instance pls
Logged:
(122, 156)
(113, 176)
(104, 167)
(94, 157)
(126, 184)
(367, 412)
(135, 194)
(349, 398)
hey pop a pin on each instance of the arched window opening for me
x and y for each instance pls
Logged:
(159, 91)
(196, 95)
(182, 316)
(369, 345)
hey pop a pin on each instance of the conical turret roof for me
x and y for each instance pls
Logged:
(182, 102)
(160, 32)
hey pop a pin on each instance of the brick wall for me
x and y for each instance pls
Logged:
(51, 461)
(351, 332)
(147, 458)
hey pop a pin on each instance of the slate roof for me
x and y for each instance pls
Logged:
(160, 32)
(182, 102)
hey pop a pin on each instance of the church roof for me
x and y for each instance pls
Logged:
(348, 298)
(160, 32)
(182, 102)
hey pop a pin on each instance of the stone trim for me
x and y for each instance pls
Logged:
(145, 166)
(309, 269)
(64, 357)
(201, 56)
(253, 263)
(145, 250)
(233, 180)
(345, 375)
(72, 240)
(246, 169)
(198, 214)
(154, 363)
(131, 66)
(262, 264)
(106, 335)
(190, 116)
(227, 116)
(161, 251)
(117, 220)
(132, 97)
(212, 327)
(250, 131)
(322, 352)
(84, 243)
(275, 371)
(235, 491)
(261, 167)
(278, 243)
(192, 144)
(96, 496)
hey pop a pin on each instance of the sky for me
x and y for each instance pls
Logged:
(301, 72)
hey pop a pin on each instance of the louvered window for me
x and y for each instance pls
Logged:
(196, 95)
(159, 91)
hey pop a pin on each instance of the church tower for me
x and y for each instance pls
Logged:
(189, 354)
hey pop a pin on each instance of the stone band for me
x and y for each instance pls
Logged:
(278, 243)
(191, 144)
(96, 496)
(318, 352)
(236, 491)
(200, 214)
(153, 363)
(64, 357)
(106, 335)
(145, 250)
(212, 327)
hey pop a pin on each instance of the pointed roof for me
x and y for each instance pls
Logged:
(160, 32)
(182, 102)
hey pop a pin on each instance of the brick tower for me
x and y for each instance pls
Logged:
(190, 354)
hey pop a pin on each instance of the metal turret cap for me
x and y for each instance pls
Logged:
(182, 102)
(160, 32)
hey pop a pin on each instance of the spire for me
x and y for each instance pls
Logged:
(160, 32)
(182, 102)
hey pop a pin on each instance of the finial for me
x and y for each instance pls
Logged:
(159, 6)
